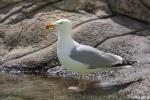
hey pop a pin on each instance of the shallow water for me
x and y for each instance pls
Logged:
(40, 87)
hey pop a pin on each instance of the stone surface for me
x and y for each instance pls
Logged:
(4, 3)
(17, 10)
(30, 35)
(147, 3)
(26, 51)
(26, 45)
(97, 7)
(138, 9)
(95, 32)
(131, 47)
(13, 11)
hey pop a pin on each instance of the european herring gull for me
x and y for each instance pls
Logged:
(81, 58)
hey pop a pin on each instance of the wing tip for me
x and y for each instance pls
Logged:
(125, 64)
(128, 62)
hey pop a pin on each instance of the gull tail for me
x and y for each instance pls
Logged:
(125, 64)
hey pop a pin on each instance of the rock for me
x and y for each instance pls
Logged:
(97, 7)
(14, 11)
(17, 10)
(4, 3)
(138, 9)
(29, 52)
(95, 32)
(131, 47)
(146, 3)
(27, 37)
(139, 90)
(25, 44)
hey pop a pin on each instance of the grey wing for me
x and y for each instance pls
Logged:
(93, 57)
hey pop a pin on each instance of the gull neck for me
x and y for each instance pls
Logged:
(65, 40)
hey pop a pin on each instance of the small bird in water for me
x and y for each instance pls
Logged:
(81, 58)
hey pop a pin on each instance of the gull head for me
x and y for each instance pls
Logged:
(61, 25)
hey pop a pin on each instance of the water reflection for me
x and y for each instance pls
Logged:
(39, 87)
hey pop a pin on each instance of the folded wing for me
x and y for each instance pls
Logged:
(94, 58)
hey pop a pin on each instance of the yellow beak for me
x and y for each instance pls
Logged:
(49, 26)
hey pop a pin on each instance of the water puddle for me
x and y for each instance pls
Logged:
(40, 87)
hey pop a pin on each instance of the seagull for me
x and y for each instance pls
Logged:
(81, 58)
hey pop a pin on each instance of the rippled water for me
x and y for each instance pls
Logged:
(40, 87)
